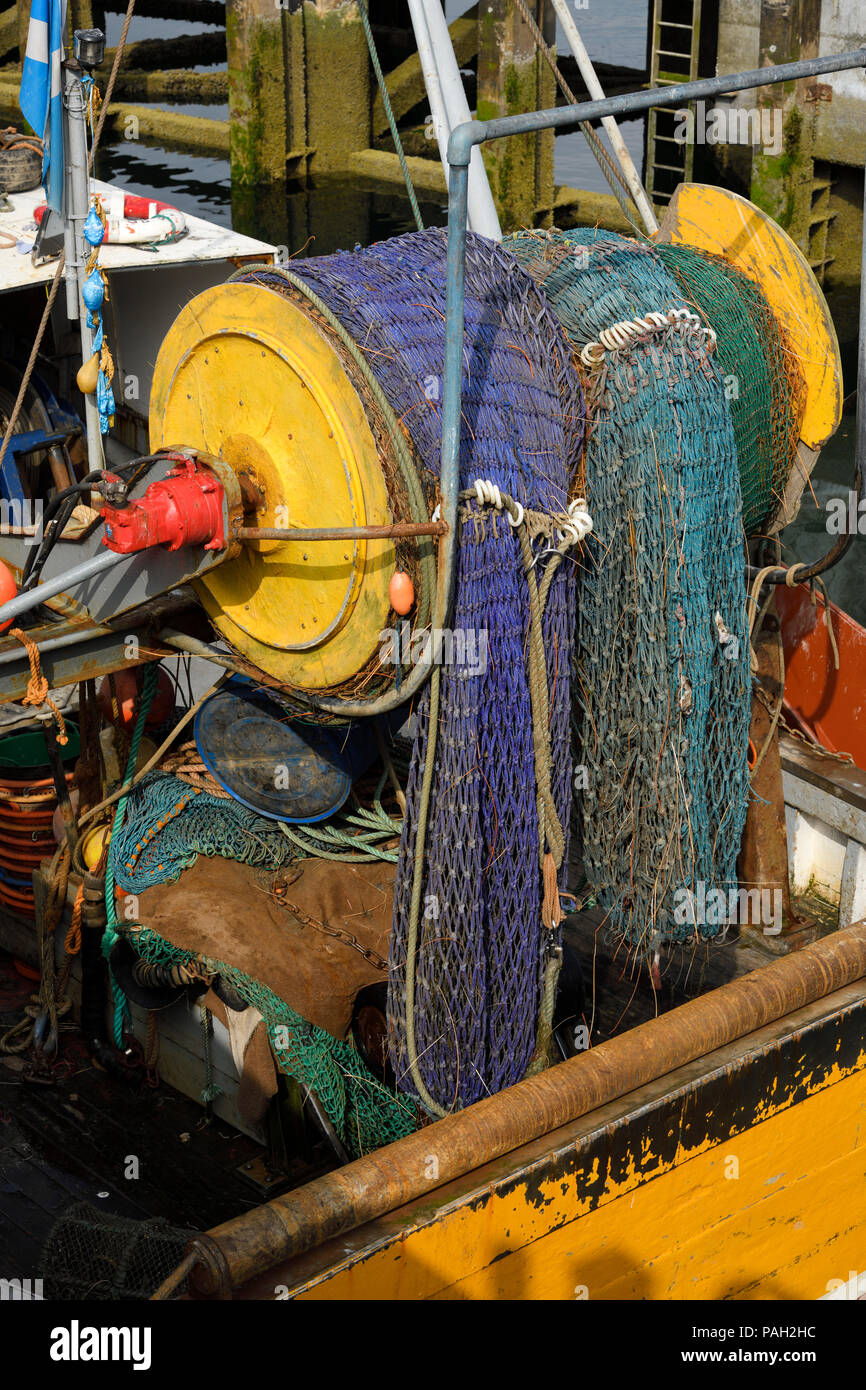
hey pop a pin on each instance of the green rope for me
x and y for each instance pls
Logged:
(121, 1009)
(349, 837)
(386, 102)
(365, 1113)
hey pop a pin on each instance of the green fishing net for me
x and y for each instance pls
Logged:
(363, 1111)
(763, 380)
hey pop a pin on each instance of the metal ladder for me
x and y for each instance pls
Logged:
(820, 217)
(676, 30)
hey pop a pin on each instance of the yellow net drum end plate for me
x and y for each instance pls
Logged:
(716, 220)
(245, 375)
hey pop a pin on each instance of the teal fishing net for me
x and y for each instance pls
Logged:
(662, 679)
(169, 823)
(364, 1112)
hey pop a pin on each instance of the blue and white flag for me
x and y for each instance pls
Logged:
(41, 90)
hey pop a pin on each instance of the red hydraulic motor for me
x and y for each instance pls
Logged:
(183, 508)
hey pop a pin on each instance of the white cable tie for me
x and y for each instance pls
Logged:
(518, 520)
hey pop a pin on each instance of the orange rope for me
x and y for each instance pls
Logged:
(37, 686)
(12, 139)
(72, 940)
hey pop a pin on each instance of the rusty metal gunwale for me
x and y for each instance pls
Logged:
(238, 1250)
(576, 1145)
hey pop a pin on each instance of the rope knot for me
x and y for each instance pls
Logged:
(37, 685)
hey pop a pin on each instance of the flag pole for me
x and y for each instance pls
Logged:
(77, 207)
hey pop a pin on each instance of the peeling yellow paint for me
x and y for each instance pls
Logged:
(682, 1230)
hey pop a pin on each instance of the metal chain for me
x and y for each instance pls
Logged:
(811, 744)
(279, 895)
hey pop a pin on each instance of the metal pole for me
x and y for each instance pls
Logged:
(594, 87)
(449, 107)
(432, 84)
(567, 117)
(70, 268)
(860, 435)
(449, 481)
(396, 531)
(77, 206)
(17, 655)
(60, 584)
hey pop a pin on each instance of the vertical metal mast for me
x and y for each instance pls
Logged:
(77, 206)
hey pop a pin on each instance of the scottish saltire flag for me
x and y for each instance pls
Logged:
(41, 92)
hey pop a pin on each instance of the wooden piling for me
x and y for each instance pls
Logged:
(8, 32)
(23, 26)
(299, 81)
(338, 89)
(257, 90)
(513, 77)
(782, 165)
(81, 15)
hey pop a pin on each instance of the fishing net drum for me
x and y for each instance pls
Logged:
(325, 383)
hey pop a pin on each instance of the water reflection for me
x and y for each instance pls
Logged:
(335, 216)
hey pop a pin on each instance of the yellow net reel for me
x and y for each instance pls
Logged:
(246, 375)
(726, 224)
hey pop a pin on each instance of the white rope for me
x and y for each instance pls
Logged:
(488, 493)
(628, 331)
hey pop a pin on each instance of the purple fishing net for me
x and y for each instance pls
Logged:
(481, 940)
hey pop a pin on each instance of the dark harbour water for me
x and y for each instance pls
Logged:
(340, 215)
